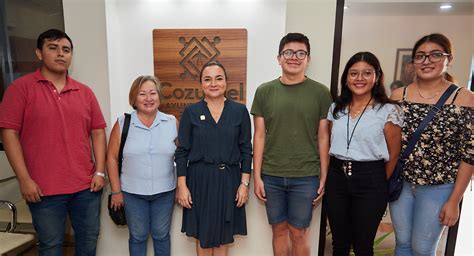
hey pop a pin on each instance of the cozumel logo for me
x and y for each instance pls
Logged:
(195, 54)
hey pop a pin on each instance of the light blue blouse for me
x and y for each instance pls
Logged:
(148, 155)
(368, 142)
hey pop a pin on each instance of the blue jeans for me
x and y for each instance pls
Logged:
(415, 216)
(49, 221)
(290, 199)
(149, 214)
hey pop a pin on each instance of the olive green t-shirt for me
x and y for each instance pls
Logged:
(292, 114)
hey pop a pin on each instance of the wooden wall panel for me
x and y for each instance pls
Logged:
(179, 54)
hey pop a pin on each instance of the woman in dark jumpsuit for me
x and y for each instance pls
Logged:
(213, 163)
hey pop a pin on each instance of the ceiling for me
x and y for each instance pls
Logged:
(406, 8)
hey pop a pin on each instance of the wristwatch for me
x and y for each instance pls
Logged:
(245, 183)
(101, 174)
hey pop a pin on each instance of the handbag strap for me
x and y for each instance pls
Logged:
(428, 118)
(123, 138)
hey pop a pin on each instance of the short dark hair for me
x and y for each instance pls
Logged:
(212, 62)
(294, 37)
(51, 34)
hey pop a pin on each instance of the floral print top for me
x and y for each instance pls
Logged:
(446, 141)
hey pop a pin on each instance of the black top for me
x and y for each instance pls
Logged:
(446, 141)
(201, 139)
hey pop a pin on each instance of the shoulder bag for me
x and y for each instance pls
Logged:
(118, 216)
(395, 182)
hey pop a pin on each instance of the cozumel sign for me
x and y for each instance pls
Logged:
(179, 55)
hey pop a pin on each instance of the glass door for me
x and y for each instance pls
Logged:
(389, 29)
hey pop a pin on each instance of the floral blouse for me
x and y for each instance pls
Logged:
(447, 140)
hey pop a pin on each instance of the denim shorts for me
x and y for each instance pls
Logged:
(290, 199)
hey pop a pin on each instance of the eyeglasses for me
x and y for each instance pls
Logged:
(366, 74)
(433, 57)
(288, 54)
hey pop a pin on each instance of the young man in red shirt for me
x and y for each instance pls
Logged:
(48, 122)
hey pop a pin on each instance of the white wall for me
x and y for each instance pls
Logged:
(129, 28)
(464, 244)
(130, 24)
(315, 19)
(84, 22)
(382, 35)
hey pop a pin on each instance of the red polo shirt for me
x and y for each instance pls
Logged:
(54, 130)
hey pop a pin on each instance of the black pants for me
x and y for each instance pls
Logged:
(355, 205)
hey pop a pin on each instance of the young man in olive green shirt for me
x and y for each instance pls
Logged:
(287, 115)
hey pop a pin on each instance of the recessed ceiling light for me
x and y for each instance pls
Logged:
(445, 6)
(346, 7)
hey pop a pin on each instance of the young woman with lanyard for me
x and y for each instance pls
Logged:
(364, 127)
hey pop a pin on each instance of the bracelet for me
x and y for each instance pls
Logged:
(245, 183)
(101, 174)
(115, 193)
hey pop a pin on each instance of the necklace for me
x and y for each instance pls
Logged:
(356, 113)
(349, 138)
(424, 97)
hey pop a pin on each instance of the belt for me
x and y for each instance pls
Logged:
(219, 166)
(348, 166)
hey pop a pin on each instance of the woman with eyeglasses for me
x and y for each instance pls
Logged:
(439, 168)
(364, 127)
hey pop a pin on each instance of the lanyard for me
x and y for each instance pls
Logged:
(349, 139)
